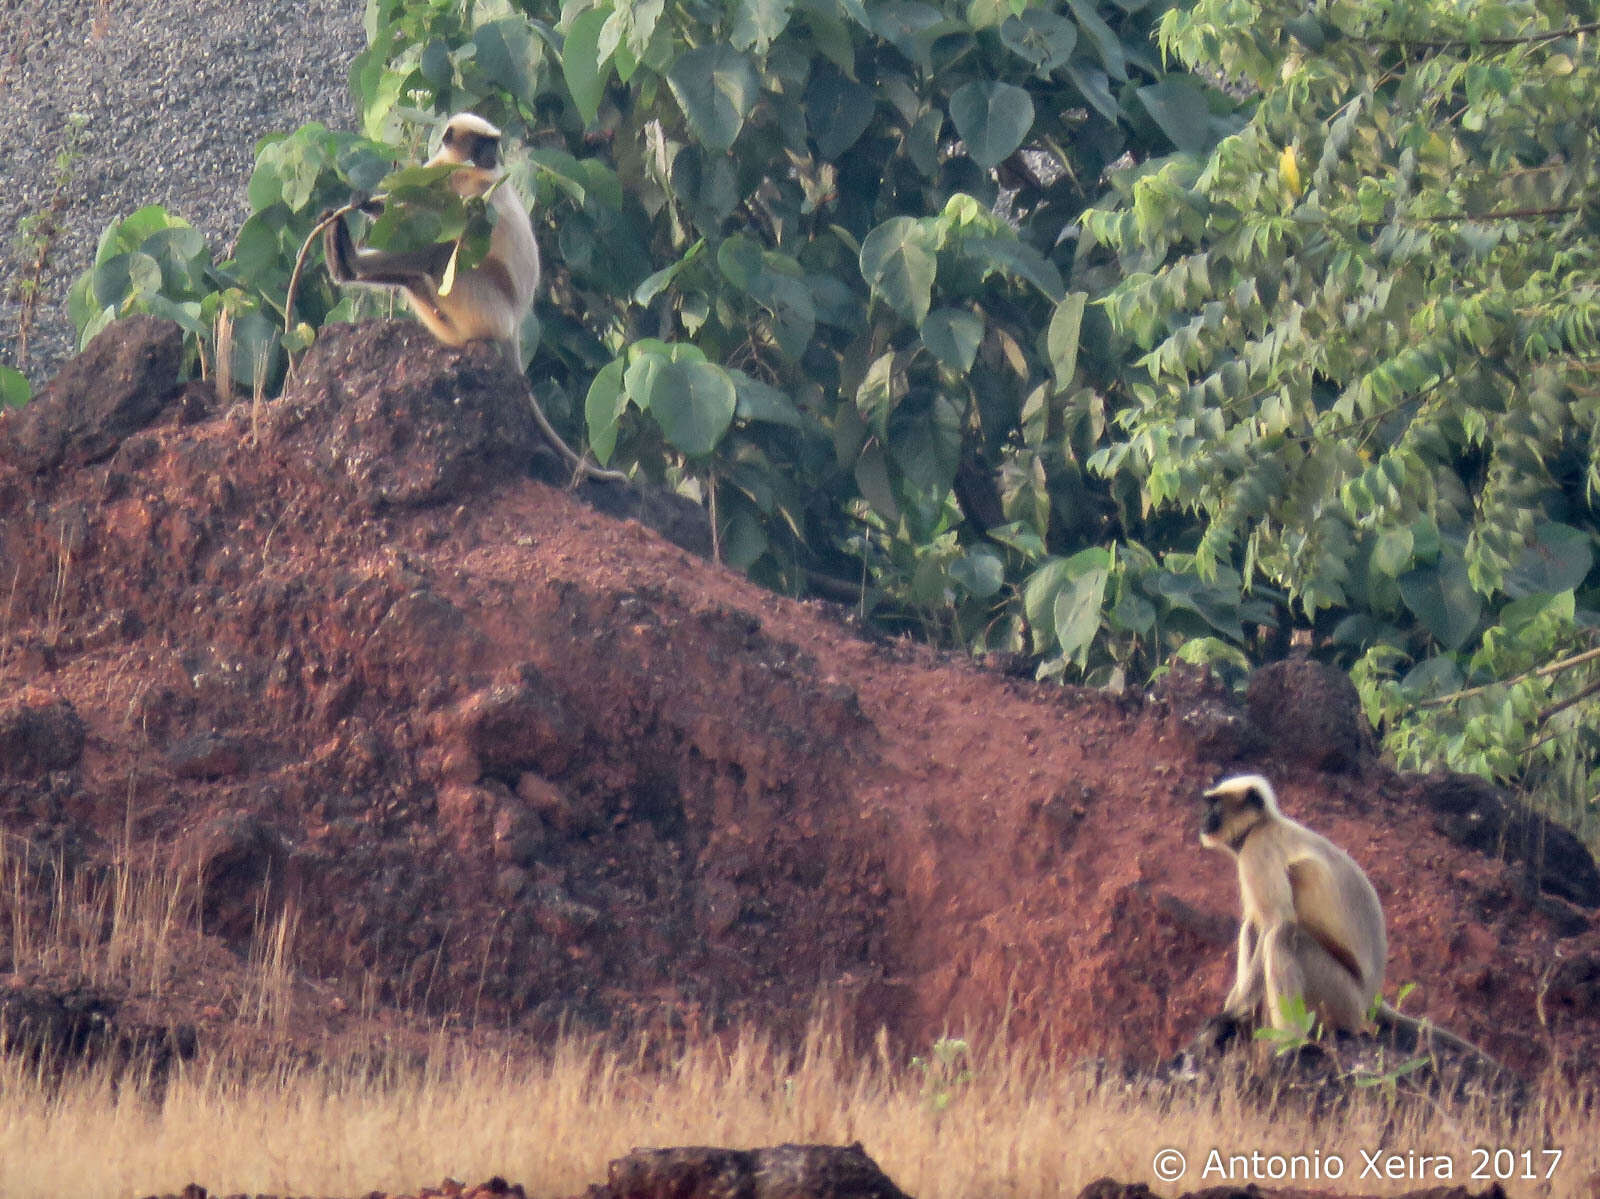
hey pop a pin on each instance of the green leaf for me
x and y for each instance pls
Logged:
(992, 119)
(1109, 46)
(659, 281)
(694, 403)
(1016, 258)
(1077, 606)
(509, 54)
(758, 401)
(1442, 598)
(603, 408)
(757, 23)
(872, 478)
(1558, 559)
(838, 111)
(1392, 551)
(1179, 109)
(1061, 339)
(14, 388)
(1043, 39)
(716, 88)
(581, 64)
(124, 277)
(980, 571)
(953, 335)
(898, 263)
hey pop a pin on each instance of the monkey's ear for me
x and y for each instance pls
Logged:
(1254, 799)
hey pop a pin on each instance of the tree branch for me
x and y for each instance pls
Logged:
(1549, 668)
(1532, 39)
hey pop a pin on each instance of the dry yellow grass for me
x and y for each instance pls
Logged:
(1010, 1129)
(959, 1123)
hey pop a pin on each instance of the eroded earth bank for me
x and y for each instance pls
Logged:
(511, 755)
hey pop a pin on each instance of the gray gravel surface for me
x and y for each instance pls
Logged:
(177, 92)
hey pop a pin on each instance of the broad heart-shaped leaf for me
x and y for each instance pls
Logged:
(1558, 559)
(509, 53)
(125, 276)
(1017, 258)
(838, 111)
(603, 408)
(992, 118)
(1442, 598)
(1061, 339)
(1078, 603)
(952, 336)
(1041, 38)
(716, 88)
(757, 22)
(580, 62)
(694, 403)
(1179, 108)
(898, 262)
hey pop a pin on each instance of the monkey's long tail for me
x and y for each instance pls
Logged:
(579, 462)
(1429, 1035)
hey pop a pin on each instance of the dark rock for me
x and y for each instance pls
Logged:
(117, 386)
(1310, 713)
(781, 1172)
(206, 756)
(240, 861)
(81, 1024)
(519, 835)
(519, 727)
(1202, 711)
(38, 738)
(1110, 1188)
(1575, 985)
(406, 421)
(1474, 813)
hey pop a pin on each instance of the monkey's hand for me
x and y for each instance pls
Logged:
(366, 202)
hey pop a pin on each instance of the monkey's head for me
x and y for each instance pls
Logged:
(1234, 807)
(470, 141)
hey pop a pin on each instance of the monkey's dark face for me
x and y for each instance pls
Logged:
(1233, 808)
(468, 146)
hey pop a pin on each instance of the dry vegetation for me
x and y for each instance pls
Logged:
(957, 1123)
(1014, 1128)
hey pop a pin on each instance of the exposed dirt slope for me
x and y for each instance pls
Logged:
(519, 761)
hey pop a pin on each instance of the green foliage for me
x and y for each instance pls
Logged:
(1300, 1026)
(14, 388)
(1362, 346)
(776, 266)
(945, 1072)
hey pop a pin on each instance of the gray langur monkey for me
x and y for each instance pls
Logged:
(485, 303)
(1311, 923)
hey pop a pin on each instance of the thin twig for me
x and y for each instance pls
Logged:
(1547, 669)
(1532, 39)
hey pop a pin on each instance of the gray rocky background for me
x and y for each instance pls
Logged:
(177, 92)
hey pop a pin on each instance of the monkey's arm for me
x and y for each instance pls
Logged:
(421, 269)
(1246, 991)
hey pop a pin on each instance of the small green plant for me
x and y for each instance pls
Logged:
(1300, 1026)
(945, 1072)
(36, 236)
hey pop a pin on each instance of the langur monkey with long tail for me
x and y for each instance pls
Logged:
(486, 303)
(1311, 925)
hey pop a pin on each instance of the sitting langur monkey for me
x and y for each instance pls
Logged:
(1311, 923)
(487, 302)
